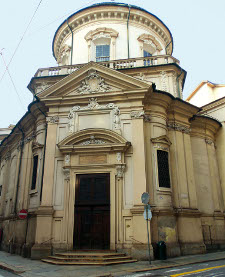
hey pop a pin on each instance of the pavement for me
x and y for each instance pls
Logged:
(32, 268)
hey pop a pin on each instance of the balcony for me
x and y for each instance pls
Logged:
(116, 64)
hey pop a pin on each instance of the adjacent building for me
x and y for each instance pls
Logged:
(108, 124)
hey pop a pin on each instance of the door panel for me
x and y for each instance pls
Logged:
(92, 212)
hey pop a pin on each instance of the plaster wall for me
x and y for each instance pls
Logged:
(80, 45)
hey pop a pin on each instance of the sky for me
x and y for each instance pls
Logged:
(197, 27)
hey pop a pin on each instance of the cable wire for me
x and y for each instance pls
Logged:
(7, 69)
(18, 45)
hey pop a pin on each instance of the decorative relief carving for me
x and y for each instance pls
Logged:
(67, 159)
(151, 40)
(26, 140)
(140, 114)
(120, 169)
(118, 157)
(174, 76)
(101, 33)
(147, 118)
(53, 119)
(66, 172)
(93, 83)
(93, 105)
(164, 81)
(42, 86)
(209, 141)
(93, 141)
(7, 156)
(179, 127)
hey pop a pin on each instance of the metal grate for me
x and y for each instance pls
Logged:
(163, 169)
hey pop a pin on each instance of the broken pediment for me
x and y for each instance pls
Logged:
(162, 140)
(92, 78)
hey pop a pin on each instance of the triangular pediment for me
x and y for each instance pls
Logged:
(93, 78)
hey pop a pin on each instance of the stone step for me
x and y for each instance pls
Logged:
(92, 254)
(88, 258)
(57, 262)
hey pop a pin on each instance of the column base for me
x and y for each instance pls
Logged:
(40, 251)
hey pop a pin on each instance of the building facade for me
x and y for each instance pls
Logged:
(108, 124)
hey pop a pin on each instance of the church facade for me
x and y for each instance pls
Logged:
(108, 124)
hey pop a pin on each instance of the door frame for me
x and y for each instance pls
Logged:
(112, 184)
(89, 207)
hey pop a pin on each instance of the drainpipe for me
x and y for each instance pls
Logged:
(71, 60)
(167, 46)
(20, 162)
(128, 44)
(43, 168)
(178, 87)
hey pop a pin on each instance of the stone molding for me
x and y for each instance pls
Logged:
(102, 32)
(36, 146)
(178, 127)
(140, 114)
(151, 40)
(93, 83)
(53, 119)
(94, 105)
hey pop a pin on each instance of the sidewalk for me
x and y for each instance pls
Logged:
(32, 268)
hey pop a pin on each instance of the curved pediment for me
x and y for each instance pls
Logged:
(94, 140)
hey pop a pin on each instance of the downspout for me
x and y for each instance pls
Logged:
(167, 46)
(20, 162)
(128, 44)
(43, 164)
(71, 59)
(178, 87)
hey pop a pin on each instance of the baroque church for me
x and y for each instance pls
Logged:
(106, 125)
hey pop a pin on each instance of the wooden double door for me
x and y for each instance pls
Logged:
(92, 212)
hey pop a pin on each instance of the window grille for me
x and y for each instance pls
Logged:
(34, 175)
(102, 53)
(163, 169)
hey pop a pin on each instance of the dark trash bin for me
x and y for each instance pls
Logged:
(161, 250)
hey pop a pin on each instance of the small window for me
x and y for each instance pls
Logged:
(163, 169)
(102, 53)
(34, 175)
(0, 190)
(147, 62)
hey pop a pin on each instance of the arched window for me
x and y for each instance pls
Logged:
(101, 44)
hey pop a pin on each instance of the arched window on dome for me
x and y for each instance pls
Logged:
(101, 44)
(149, 46)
